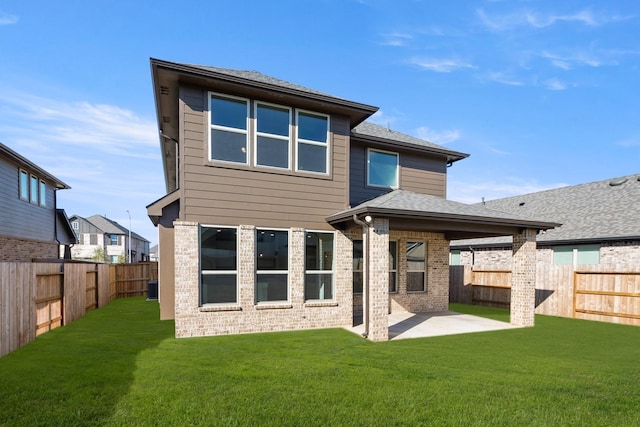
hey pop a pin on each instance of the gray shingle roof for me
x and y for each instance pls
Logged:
(111, 227)
(259, 77)
(596, 211)
(421, 204)
(377, 131)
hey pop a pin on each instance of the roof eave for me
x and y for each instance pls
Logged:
(451, 155)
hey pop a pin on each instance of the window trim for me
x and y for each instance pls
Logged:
(332, 271)
(426, 255)
(256, 134)
(246, 131)
(368, 160)
(326, 144)
(201, 272)
(42, 193)
(276, 302)
(396, 269)
(23, 186)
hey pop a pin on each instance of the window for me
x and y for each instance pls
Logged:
(272, 136)
(576, 255)
(454, 257)
(74, 225)
(318, 278)
(272, 262)
(113, 239)
(218, 265)
(93, 239)
(393, 266)
(34, 189)
(358, 265)
(228, 134)
(43, 193)
(114, 259)
(312, 142)
(24, 185)
(382, 169)
(416, 266)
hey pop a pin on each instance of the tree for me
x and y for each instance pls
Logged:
(99, 255)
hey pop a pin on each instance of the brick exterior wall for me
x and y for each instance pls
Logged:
(523, 278)
(247, 316)
(378, 235)
(436, 297)
(24, 250)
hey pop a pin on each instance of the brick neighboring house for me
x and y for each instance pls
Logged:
(31, 225)
(282, 199)
(98, 232)
(600, 226)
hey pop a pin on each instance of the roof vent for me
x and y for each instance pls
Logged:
(166, 119)
(521, 204)
(164, 90)
(617, 181)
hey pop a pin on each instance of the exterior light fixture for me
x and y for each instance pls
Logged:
(368, 219)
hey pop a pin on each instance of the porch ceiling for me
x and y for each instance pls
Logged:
(406, 210)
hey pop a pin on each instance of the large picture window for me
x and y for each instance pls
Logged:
(272, 261)
(272, 136)
(228, 135)
(312, 142)
(382, 169)
(318, 278)
(416, 266)
(218, 265)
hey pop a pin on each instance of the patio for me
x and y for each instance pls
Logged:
(403, 324)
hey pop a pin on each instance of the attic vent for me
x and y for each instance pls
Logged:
(164, 90)
(617, 181)
(166, 119)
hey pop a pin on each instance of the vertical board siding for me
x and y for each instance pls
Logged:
(38, 297)
(591, 292)
(228, 195)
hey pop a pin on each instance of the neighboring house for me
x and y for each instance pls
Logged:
(282, 199)
(31, 226)
(600, 225)
(100, 235)
(153, 253)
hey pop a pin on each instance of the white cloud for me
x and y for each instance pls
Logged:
(474, 191)
(504, 78)
(396, 39)
(381, 118)
(503, 22)
(568, 62)
(438, 137)
(7, 19)
(441, 65)
(555, 84)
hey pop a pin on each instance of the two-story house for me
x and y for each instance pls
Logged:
(283, 201)
(31, 225)
(101, 237)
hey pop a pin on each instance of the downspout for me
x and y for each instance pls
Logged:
(55, 220)
(365, 272)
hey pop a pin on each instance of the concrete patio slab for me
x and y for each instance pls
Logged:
(403, 324)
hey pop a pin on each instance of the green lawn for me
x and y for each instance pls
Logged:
(121, 366)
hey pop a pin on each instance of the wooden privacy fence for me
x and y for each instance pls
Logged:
(593, 292)
(40, 296)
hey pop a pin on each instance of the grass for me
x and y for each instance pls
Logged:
(121, 366)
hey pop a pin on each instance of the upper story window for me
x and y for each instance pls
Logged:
(228, 136)
(43, 193)
(75, 225)
(33, 188)
(114, 239)
(24, 185)
(272, 130)
(273, 136)
(313, 142)
(382, 169)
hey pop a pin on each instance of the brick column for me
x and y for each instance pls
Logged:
(296, 266)
(378, 267)
(186, 274)
(246, 265)
(523, 278)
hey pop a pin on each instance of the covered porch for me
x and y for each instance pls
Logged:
(422, 227)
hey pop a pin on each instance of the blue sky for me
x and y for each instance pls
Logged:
(540, 93)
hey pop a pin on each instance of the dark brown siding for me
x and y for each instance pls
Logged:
(20, 218)
(231, 196)
(419, 173)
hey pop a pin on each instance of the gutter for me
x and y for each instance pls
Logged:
(365, 273)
